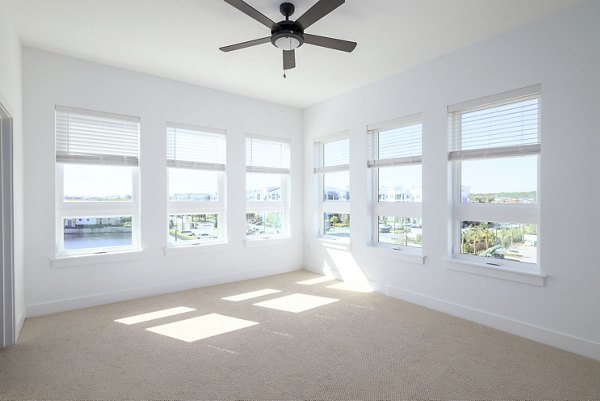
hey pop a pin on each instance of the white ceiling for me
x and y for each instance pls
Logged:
(179, 39)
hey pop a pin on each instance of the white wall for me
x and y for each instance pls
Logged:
(49, 80)
(11, 98)
(562, 53)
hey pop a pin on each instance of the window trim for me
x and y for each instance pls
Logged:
(337, 207)
(96, 259)
(94, 209)
(505, 273)
(394, 209)
(499, 213)
(282, 206)
(197, 208)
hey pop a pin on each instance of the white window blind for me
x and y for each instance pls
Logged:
(510, 128)
(90, 137)
(396, 146)
(192, 148)
(335, 156)
(267, 155)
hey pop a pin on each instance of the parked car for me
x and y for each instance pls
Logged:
(385, 228)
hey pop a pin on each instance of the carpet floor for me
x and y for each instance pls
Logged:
(306, 341)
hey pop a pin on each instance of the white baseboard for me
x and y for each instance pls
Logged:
(543, 335)
(63, 305)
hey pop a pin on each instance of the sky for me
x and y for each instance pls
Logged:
(182, 181)
(505, 174)
(84, 180)
(511, 174)
(90, 180)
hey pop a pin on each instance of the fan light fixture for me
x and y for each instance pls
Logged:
(287, 43)
(288, 35)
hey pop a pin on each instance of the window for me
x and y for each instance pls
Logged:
(97, 205)
(395, 164)
(196, 175)
(333, 171)
(494, 152)
(267, 187)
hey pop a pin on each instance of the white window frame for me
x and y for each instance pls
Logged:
(339, 207)
(395, 209)
(500, 213)
(90, 209)
(196, 208)
(282, 206)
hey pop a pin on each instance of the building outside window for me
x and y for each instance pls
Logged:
(333, 172)
(97, 182)
(267, 187)
(494, 152)
(395, 163)
(196, 182)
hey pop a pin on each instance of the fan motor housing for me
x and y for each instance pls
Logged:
(287, 35)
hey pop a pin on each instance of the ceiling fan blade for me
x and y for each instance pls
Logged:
(243, 45)
(289, 59)
(318, 11)
(330, 43)
(251, 12)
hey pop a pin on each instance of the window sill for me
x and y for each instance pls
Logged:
(195, 248)
(401, 254)
(504, 273)
(251, 243)
(333, 243)
(93, 259)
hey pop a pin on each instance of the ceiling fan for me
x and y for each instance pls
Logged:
(288, 35)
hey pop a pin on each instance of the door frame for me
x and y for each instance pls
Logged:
(7, 277)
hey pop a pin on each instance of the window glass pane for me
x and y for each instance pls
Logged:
(264, 224)
(263, 187)
(500, 180)
(403, 231)
(336, 186)
(336, 225)
(94, 183)
(511, 241)
(194, 228)
(400, 184)
(336, 152)
(193, 185)
(96, 232)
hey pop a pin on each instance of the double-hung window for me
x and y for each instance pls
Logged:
(267, 187)
(333, 171)
(494, 153)
(395, 164)
(97, 176)
(196, 181)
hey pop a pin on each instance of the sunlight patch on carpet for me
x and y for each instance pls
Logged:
(250, 295)
(317, 280)
(296, 303)
(197, 328)
(355, 287)
(145, 317)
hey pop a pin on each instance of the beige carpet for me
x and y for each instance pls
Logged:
(363, 346)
